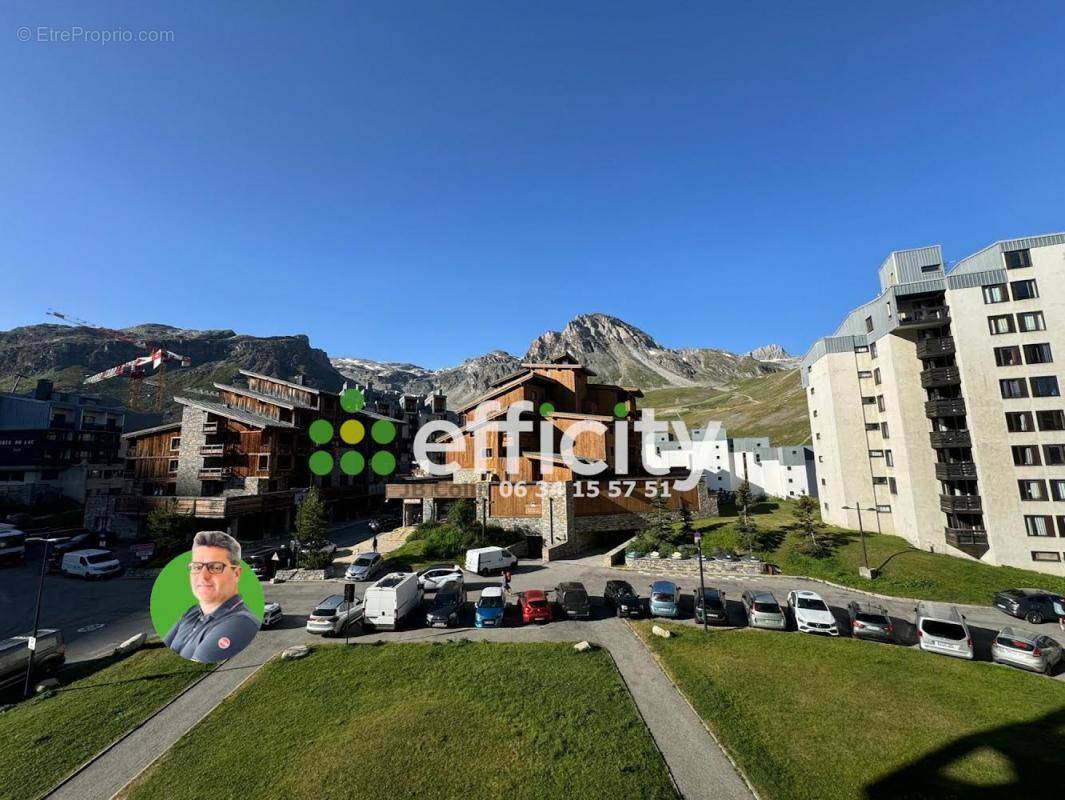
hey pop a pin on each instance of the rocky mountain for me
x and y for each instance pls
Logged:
(774, 353)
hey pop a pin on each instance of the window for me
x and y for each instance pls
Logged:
(1007, 356)
(876, 454)
(889, 458)
(1013, 388)
(869, 324)
(173, 465)
(1053, 420)
(876, 376)
(1038, 353)
(872, 426)
(872, 350)
(1031, 321)
(1024, 290)
(879, 480)
(1045, 555)
(1046, 386)
(930, 268)
(175, 442)
(883, 509)
(1057, 489)
(995, 293)
(1054, 455)
(864, 373)
(1033, 490)
(861, 348)
(264, 462)
(868, 400)
(823, 483)
(893, 485)
(1015, 259)
(815, 412)
(1000, 324)
(884, 430)
(880, 402)
(1061, 526)
(820, 459)
(816, 436)
(1019, 421)
(811, 390)
(1025, 455)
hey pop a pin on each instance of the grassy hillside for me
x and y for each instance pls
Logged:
(773, 406)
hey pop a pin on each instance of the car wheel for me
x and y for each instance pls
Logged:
(1034, 617)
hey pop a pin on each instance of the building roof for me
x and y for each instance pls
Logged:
(576, 415)
(266, 398)
(249, 374)
(157, 429)
(376, 415)
(497, 390)
(235, 414)
(557, 365)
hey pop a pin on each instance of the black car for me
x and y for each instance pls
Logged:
(620, 596)
(573, 599)
(446, 606)
(1031, 605)
(711, 603)
(870, 621)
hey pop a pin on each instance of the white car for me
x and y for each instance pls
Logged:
(434, 577)
(333, 615)
(271, 614)
(811, 613)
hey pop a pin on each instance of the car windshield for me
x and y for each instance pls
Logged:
(712, 600)
(874, 619)
(662, 597)
(767, 608)
(444, 600)
(623, 589)
(943, 630)
(812, 604)
(1015, 644)
(364, 561)
(99, 558)
(490, 602)
(324, 611)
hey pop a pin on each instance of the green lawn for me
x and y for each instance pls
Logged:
(45, 738)
(909, 573)
(446, 720)
(839, 719)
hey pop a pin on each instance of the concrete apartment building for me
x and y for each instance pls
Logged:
(783, 472)
(938, 404)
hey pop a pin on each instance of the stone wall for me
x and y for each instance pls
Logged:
(189, 458)
(690, 566)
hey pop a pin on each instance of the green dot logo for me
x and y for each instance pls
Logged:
(352, 400)
(321, 462)
(621, 410)
(546, 409)
(383, 431)
(352, 462)
(320, 431)
(352, 431)
(383, 462)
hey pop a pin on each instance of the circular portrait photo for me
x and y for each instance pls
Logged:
(207, 604)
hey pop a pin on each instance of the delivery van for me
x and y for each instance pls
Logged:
(90, 564)
(485, 560)
(391, 600)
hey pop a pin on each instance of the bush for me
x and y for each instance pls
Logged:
(314, 559)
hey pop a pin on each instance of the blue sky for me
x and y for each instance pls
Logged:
(428, 181)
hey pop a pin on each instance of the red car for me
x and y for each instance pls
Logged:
(534, 606)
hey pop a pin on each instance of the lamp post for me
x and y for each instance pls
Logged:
(865, 572)
(702, 583)
(36, 618)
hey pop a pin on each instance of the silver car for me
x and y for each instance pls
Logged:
(1020, 648)
(763, 611)
(364, 567)
(332, 616)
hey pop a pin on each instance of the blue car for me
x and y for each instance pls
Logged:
(665, 599)
(489, 608)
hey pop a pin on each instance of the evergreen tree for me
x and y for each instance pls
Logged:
(312, 524)
(169, 529)
(809, 520)
(462, 514)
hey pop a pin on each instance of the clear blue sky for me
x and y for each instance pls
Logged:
(428, 181)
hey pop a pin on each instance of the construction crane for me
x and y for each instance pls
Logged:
(135, 369)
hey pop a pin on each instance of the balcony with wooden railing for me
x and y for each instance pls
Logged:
(961, 503)
(954, 407)
(969, 540)
(215, 473)
(945, 439)
(938, 377)
(935, 347)
(212, 450)
(924, 317)
(958, 471)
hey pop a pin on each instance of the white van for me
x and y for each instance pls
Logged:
(90, 564)
(484, 560)
(391, 600)
(941, 629)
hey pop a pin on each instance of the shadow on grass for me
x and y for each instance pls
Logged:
(1033, 749)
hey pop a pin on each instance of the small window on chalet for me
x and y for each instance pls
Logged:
(264, 462)
(175, 442)
(173, 465)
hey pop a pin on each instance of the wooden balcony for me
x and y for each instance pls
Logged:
(969, 540)
(945, 439)
(935, 347)
(215, 473)
(945, 408)
(938, 377)
(960, 471)
(961, 503)
(210, 427)
(924, 317)
(211, 450)
(208, 507)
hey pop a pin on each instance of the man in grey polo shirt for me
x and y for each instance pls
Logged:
(220, 625)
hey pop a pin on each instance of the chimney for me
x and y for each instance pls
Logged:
(301, 379)
(43, 390)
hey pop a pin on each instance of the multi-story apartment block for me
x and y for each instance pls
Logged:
(786, 471)
(58, 445)
(938, 406)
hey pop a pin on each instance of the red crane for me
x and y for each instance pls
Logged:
(135, 369)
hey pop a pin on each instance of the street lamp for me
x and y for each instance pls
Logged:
(702, 583)
(36, 618)
(865, 572)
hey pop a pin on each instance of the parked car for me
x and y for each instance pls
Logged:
(15, 656)
(572, 599)
(665, 599)
(941, 629)
(79, 541)
(329, 548)
(620, 596)
(265, 566)
(364, 567)
(333, 615)
(485, 560)
(90, 564)
(447, 605)
(392, 599)
(711, 603)
(12, 544)
(436, 576)
(1034, 606)
(870, 621)
(763, 610)
(811, 613)
(534, 606)
(1025, 649)
(488, 613)
(271, 614)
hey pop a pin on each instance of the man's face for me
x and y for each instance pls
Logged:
(210, 588)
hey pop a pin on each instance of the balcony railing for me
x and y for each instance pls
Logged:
(945, 408)
(960, 503)
(215, 473)
(935, 347)
(209, 450)
(937, 315)
(943, 439)
(961, 471)
(210, 427)
(969, 540)
(940, 376)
